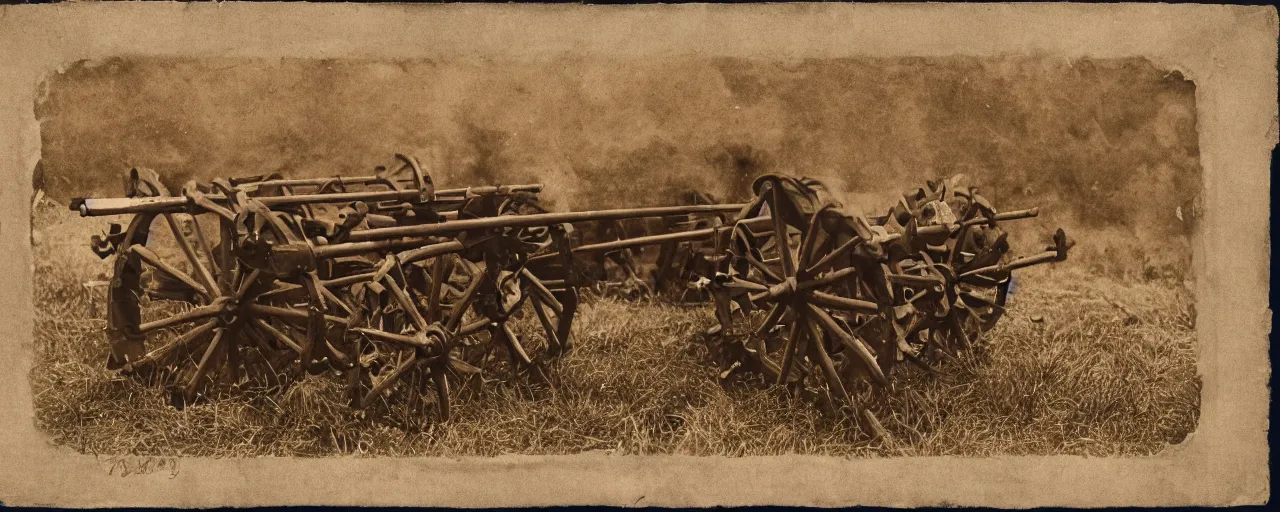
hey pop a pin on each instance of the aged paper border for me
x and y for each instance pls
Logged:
(1230, 52)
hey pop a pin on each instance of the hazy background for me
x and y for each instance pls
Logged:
(1107, 147)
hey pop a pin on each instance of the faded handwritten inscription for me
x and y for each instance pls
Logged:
(132, 466)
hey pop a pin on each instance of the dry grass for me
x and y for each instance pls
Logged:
(1090, 378)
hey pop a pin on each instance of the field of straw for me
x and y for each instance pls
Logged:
(1097, 355)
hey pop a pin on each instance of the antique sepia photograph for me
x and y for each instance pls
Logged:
(944, 256)
(852, 256)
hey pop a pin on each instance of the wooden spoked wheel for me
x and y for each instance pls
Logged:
(554, 300)
(182, 308)
(511, 287)
(407, 319)
(953, 314)
(814, 291)
(948, 310)
(186, 309)
(438, 321)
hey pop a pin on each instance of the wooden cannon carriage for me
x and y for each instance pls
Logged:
(389, 281)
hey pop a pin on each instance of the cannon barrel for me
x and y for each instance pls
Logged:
(1004, 216)
(330, 180)
(699, 234)
(415, 249)
(316, 182)
(539, 219)
(640, 241)
(421, 245)
(90, 207)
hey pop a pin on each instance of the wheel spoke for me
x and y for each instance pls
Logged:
(541, 290)
(810, 240)
(267, 353)
(331, 283)
(742, 284)
(151, 259)
(192, 315)
(288, 314)
(553, 340)
(186, 338)
(958, 330)
(246, 282)
(206, 363)
(390, 379)
(441, 269)
(789, 351)
(762, 268)
(205, 248)
(983, 301)
(283, 338)
(203, 273)
(513, 343)
(392, 337)
(828, 278)
(844, 304)
(462, 367)
(770, 320)
(441, 380)
(338, 356)
(829, 324)
(473, 327)
(402, 298)
(258, 340)
(564, 323)
(329, 296)
(781, 237)
(460, 307)
(827, 366)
